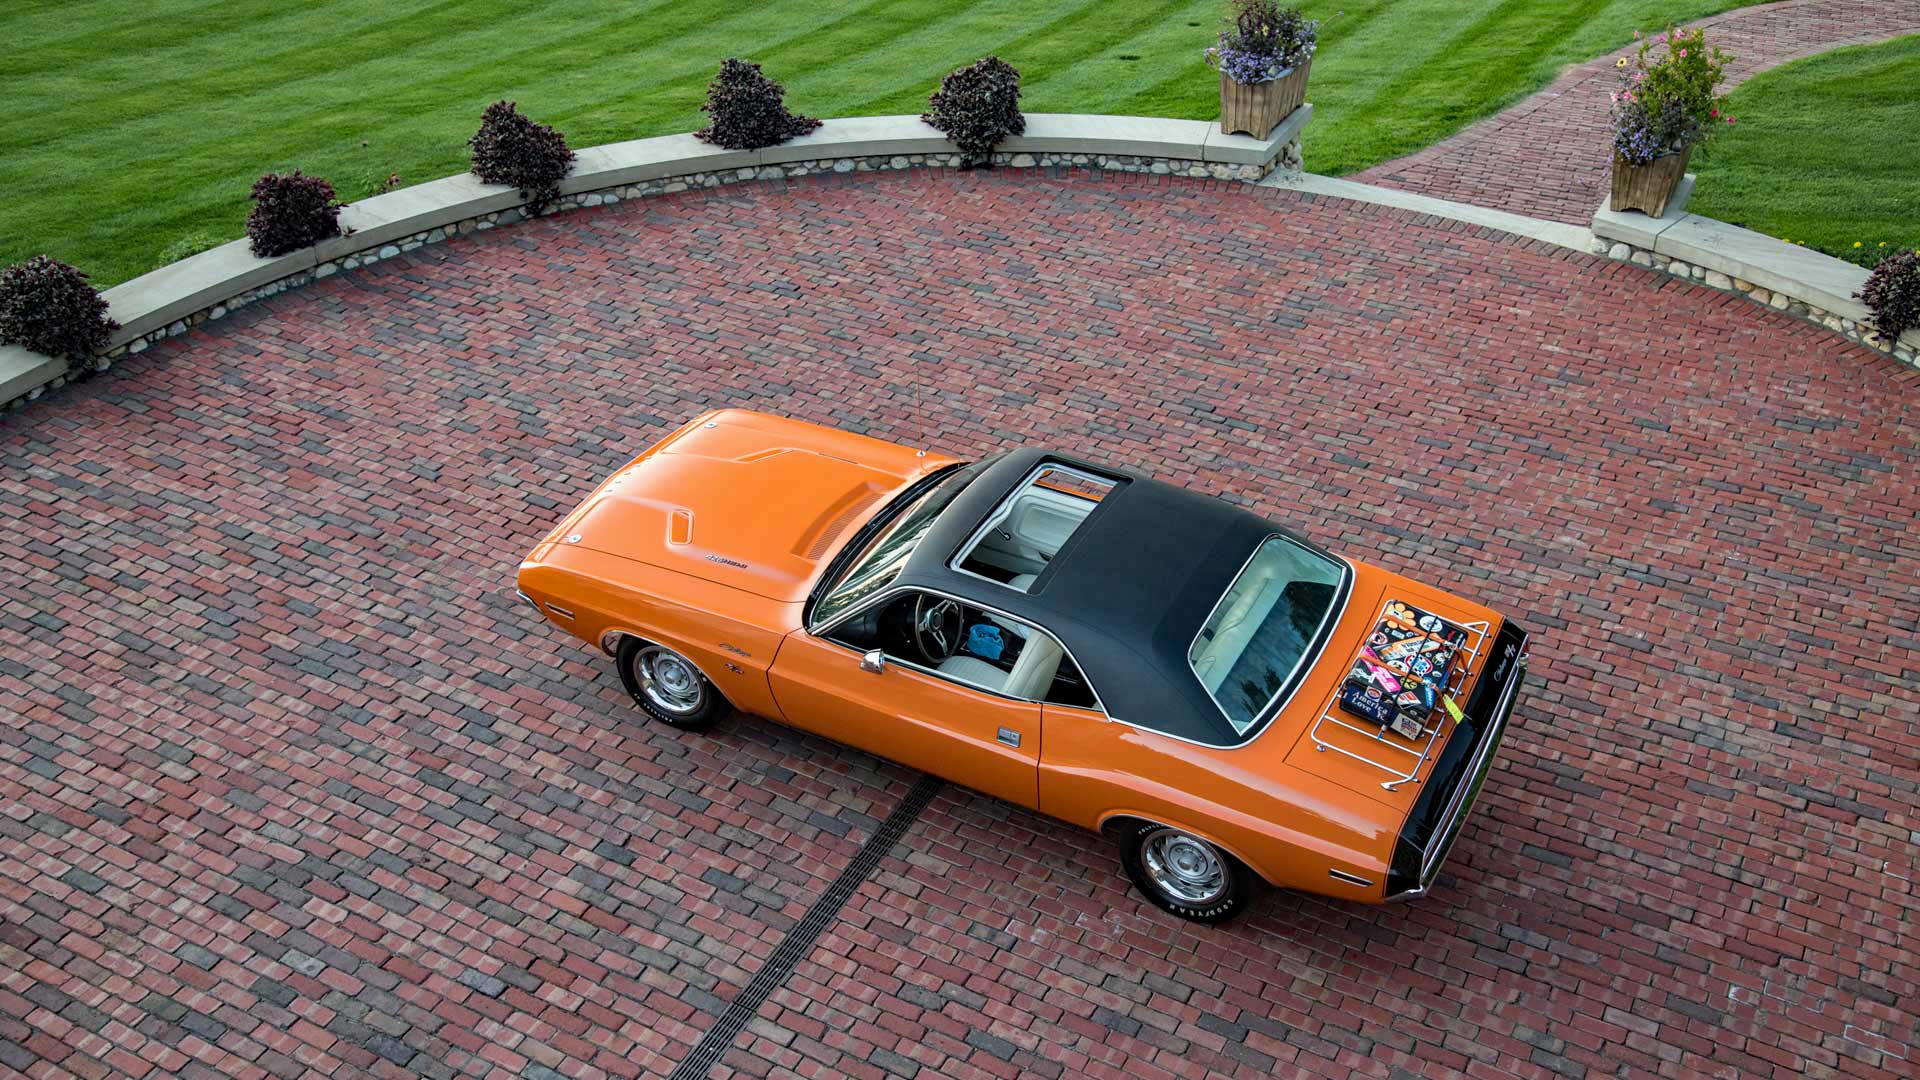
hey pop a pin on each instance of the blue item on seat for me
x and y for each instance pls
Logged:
(984, 641)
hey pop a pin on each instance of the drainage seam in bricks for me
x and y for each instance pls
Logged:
(800, 940)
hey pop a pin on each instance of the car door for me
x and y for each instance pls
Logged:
(910, 714)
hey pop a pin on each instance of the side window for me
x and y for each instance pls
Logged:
(968, 645)
(1070, 687)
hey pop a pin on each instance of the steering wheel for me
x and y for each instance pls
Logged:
(937, 625)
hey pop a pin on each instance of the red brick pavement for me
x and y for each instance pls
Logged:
(1546, 157)
(293, 786)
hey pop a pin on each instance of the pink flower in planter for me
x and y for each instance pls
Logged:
(1729, 119)
(1683, 54)
(1713, 112)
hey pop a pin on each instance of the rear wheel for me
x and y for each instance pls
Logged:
(1184, 874)
(668, 686)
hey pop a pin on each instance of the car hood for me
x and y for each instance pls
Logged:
(756, 502)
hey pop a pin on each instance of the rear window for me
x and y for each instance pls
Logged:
(1255, 644)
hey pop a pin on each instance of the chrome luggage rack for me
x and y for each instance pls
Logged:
(1413, 753)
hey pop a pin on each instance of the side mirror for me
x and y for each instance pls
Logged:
(875, 661)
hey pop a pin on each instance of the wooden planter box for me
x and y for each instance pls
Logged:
(1258, 108)
(1647, 187)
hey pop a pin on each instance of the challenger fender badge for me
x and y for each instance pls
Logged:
(724, 561)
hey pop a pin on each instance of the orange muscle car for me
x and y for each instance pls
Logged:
(1227, 700)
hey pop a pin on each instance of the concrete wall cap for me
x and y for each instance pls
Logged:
(1637, 229)
(860, 136)
(157, 300)
(408, 210)
(636, 160)
(1247, 150)
(1135, 136)
(1772, 263)
(179, 289)
(22, 371)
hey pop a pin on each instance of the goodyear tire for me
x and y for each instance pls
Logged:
(1184, 874)
(669, 687)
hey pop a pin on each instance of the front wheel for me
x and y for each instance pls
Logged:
(668, 686)
(1184, 874)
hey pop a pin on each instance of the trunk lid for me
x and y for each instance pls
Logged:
(1357, 753)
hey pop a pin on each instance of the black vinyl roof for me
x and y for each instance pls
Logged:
(1128, 592)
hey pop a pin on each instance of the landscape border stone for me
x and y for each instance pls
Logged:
(1785, 277)
(172, 299)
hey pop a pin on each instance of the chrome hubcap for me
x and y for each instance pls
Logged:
(669, 680)
(1183, 866)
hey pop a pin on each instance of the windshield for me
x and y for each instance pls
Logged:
(886, 553)
(1257, 638)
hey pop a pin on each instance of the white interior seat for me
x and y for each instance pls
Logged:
(1234, 628)
(1032, 674)
(1017, 629)
(969, 669)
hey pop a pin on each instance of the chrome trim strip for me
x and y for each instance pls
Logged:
(1351, 879)
(560, 611)
(1462, 801)
(878, 598)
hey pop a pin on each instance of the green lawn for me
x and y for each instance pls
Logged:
(129, 132)
(1826, 153)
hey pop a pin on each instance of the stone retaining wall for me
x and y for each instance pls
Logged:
(1802, 283)
(175, 298)
(1906, 350)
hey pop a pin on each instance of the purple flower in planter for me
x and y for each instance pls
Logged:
(1666, 102)
(1263, 43)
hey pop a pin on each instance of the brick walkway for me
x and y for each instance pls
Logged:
(1546, 157)
(293, 785)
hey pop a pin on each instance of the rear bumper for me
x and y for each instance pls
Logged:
(1440, 812)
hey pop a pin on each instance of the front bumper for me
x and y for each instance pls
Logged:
(1438, 815)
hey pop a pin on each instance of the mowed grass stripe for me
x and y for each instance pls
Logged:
(1103, 76)
(1076, 27)
(144, 127)
(319, 131)
(1822, 155)
(884, 27)
(43, 29)
(898, 75)
(1373, 113)
(112, 76)
(451, 35)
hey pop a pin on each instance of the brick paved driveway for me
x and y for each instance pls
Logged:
(292, 784)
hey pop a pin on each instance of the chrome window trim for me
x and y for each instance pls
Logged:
(1275, 705)
(1006, 503)
(824, 590)
(821, 631)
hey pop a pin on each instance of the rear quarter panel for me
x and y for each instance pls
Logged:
(1290, 827)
